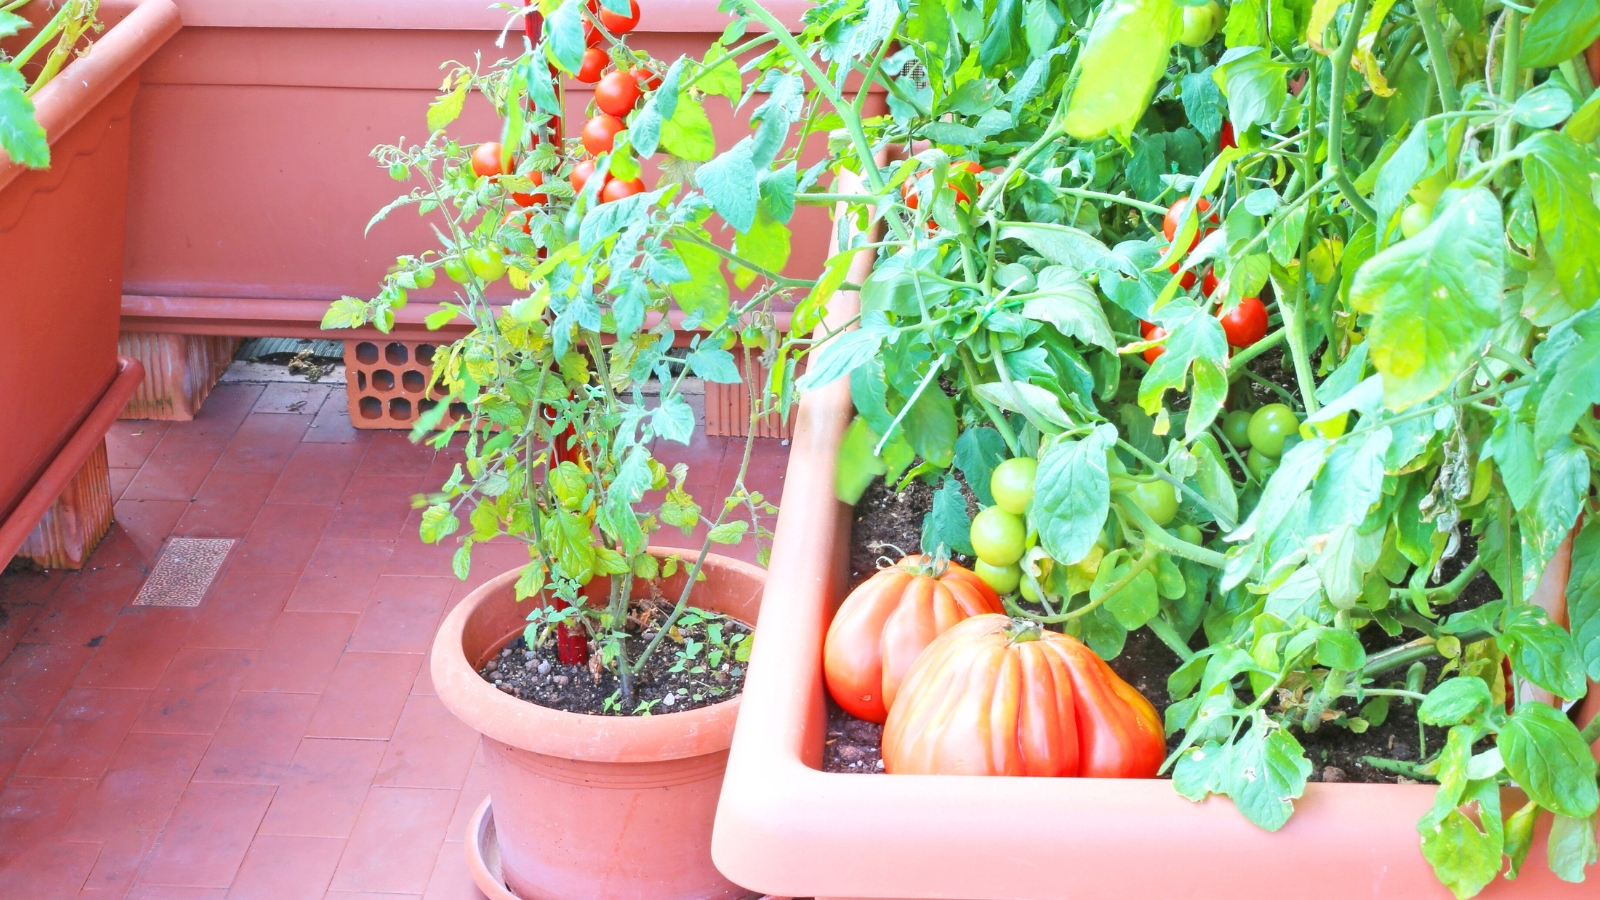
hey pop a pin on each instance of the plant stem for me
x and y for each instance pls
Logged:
(1154, 209)
(1236, 364)
(1406, 654)
(1159, 538)
(996, 416)
(1145, 561)
(1438, 54)
(1294, 326)
(1408, 770)
(1341, 70)
(1510, 79)
(45, 36)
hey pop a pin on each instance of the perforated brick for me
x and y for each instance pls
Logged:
(386, 383)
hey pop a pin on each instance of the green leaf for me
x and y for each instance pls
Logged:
(728, 532)
(437, 523)
(1137, 603)
(721, 76)
(1584, 126)
(1210, 390)
(705, 293)
(1559, 172)
(1268, 771)
(1455, 701)
(1060, 244)
(1003, 40)
(931, 426)
(11, 23)
(1572, 846)
(1244, 26)
(730, 183)
(1064, 299)
(673, 419)
(1434, 298)
(1255, 86)
(1351, 481)
(978, 452)
(687, 134)
(1547, 758)
(1570, 362)
(1122, 62)
(714, 364)
(856, 466)
(1464, 858)
(1558, 30)
(946, 524)
(1340, 649)
(1193, 333)
(679, 510)
(838, 357)
(1583, 596)
(563, 30)
(1202, 103)
(1519, 836)
(447, 109)
(20, 136)
(1072, 494)
(1546, 106)
(1558, 495)
(766, 244)
(1543, 652)
(346, 312)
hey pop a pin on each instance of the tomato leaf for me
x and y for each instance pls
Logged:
(946, 524)
(1572, 846)
(1072, 494)
(563, 29)
(1464, 857)
(930, 426)
(1060, 244)
(20, 136)
(1210, 390)
(1193, 333)
(1267, 772)
(766, 244)
(1547, 757)
(1066, 301)
(704, 295)
(1543, 652)
(839, 356)
(1122, 62)
(1569, 372)
(1583, 597)
(1559, 172)
(1255, 86)
(1558, 495)
(1137, 602)
(730, 183)
(1455, 701)
(1558, 30)
(978, 452)
(1433, 298)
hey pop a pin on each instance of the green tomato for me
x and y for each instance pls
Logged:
(1236, 428)
(1012, 484)
(997, 536)
(486, 263)
(397, 299)
(1200, 24)
(456, 270)
(1191, 534)
(1414, 219)
(1030, 591)
(1270, 426)
(1004, 579)
(399, 172)
(1158, 500)
(1428, 190)
(731, 340)
(1260, 464)
(423, 278)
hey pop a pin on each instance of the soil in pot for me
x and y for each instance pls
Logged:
(886, 521)
(700, 662)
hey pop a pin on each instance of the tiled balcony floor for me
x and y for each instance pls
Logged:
(282, 740)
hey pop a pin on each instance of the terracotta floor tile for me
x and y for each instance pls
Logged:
(226, 504)
(196, 692)
(81, 738)
(282, 539)
(33, 811)
(374, 507)
(395, 841)
(207, 837)
(224, 410)
(340, 575)
(175, 892)
(430, 748)
(178, 466)
(369, 895)
(473, 792)
(263, 443)
(301, 398)
(121, 857)
(142, 785)
(401, 614)
(87, 602)
(451, 880)
(147, 523)
(29, 586)
(492, 560)
(392, 453)
(422, 685)
(365, 696)
(257, 738)
(14, 744)
(322, 791)
(284, 867)
(34, 678)
(413, 557)
(130, 441)
(332, 424)
(240, 610)
(318, 473)
(301, 652)
(15, 620)
(52, 870)
(445, 461)
(138, 647)
(120, 479)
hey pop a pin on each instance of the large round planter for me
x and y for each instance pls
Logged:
(788, 828)
(596, 807)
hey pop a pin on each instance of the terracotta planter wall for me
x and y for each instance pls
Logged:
(787, 828)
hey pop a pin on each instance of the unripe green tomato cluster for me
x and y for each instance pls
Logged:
(999, 533)
(1200, 24)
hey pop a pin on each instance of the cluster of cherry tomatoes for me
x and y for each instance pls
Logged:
(616, 94)
(1245, 324)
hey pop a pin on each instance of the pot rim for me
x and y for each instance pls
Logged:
(787, 828)
(568, 735)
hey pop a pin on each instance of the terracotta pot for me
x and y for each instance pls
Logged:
(596, 806)
(61, 239)
(787, 828)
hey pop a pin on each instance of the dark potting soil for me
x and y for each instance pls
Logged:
(884, 520)
(687, 670)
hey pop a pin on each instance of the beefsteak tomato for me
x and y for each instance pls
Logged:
(887, 621)
(1000, 696)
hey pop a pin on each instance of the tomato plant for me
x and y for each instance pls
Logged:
(617, 94)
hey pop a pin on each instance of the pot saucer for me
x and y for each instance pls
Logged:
(483, 857)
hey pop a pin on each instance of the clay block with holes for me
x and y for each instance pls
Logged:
(728, 405)
(386, 382)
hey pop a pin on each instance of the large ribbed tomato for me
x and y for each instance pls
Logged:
(887, 621)
(996, 696)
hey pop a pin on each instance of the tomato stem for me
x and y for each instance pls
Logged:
(1341, 71)
(1438, 54)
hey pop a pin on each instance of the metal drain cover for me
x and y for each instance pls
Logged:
(184, 572)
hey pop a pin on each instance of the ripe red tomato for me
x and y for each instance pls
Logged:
(581, 173)
(617, 189)
(620, 25)
(595, 61)
(886, 622)
(531, 199)
(591, 35)
(521, 219)
(1174, 218)
(1208, 284)
(1145, 328)
(1246, 323)
(1155, 333)
(1188, 277)
(486, 160)
(989, 697)
(600, 133)
(648, 80)
(1225, 137)
(908, 190)
(617, 94)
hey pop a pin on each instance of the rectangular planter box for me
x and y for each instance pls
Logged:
(785, 827)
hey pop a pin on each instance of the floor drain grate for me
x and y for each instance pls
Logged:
(184, 572)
